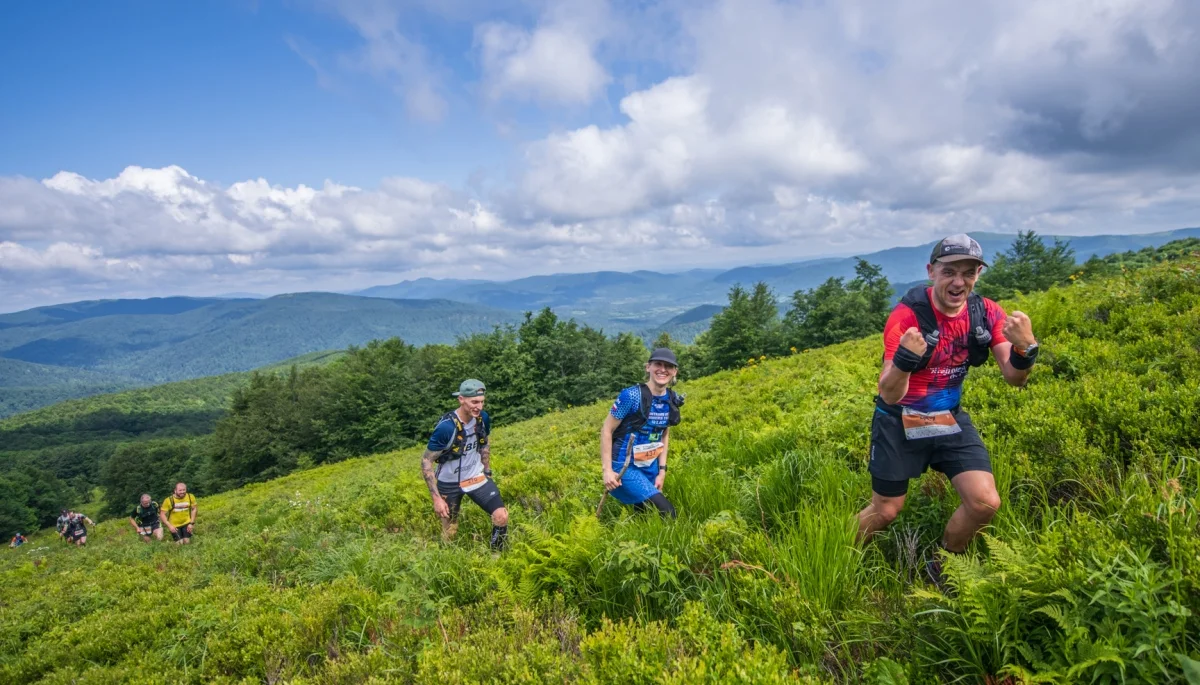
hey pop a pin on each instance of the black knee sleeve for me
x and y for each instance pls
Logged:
(664, 506)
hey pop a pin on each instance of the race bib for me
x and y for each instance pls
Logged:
(919, 425)
(471, 484)
(145, 530)
(645, 455)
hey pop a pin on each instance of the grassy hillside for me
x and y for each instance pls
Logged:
(1091, 571)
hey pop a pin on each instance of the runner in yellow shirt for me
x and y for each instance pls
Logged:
(178, 514)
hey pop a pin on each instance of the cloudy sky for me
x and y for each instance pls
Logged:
(283, 145)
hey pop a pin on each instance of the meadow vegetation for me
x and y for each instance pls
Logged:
(334, 573)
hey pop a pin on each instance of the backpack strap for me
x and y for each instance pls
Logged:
(481, 428)
(980, 339)
(917, 299)
(644, 405)
(455, 448)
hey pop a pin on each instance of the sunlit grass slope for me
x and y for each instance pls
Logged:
(1091, 571)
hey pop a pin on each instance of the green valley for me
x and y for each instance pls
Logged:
(334, 573)
(87, 347)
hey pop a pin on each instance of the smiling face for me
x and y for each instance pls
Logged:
(952, 283)
(180, 491)
(473, 406)
(661, 373)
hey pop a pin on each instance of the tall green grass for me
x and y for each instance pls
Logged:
(1090, 572)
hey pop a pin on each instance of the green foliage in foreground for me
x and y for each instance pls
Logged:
(1090, 573)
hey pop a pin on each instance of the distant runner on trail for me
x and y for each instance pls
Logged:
(77, 530)
(17, 540)
(462, 452)
(931, 338)
(634, 439)
(178, 514)
(60, 526)
(144, 519)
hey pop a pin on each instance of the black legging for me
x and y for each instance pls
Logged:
(659, 500)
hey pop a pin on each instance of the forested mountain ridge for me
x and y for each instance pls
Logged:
(25, 386)
(643, 300)
(127, 343)
(220, 336)
(1089, 573)
(131, 343)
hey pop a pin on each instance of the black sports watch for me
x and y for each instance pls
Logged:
(1023, 360)
(1028, 352)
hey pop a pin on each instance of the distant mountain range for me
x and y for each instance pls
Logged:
(646, 300)
(73, 350)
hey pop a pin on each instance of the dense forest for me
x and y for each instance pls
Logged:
(1090, 571)
(222, 432)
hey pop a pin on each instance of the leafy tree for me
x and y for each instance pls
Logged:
(152, 466)
(30, 497)
(664, 339)
(16, 516)
(1028, 266)
(836, 311)
(748, 327)
(271, 423)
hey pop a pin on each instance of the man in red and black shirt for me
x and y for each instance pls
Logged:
(918, 421)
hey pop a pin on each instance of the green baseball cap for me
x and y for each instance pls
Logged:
(470, 388)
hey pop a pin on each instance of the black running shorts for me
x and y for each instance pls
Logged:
(487, 497)
(895, 459)
(181, 532)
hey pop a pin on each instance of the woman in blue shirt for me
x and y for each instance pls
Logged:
(634, 440)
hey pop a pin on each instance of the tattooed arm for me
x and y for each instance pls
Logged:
(485, 457)
(427, 470)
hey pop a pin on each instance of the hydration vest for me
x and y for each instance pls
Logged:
(455, 450)
(634, 421)
(979, 337)
(152, 510)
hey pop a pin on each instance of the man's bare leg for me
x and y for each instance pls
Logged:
(449, 529)
(878, 515)
(980, 501)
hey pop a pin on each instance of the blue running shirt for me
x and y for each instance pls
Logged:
(637, 485)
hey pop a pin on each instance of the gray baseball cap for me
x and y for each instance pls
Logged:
(956, 248)
(470, 388)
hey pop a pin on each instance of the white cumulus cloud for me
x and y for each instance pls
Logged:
(554, 62)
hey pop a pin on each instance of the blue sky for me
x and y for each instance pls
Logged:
(217, 88)
(151, 148)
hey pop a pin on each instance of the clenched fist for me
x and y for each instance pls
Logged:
(1018, 330)
(913, 341)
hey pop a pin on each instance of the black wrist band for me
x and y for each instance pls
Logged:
(1021, 362)
(906, 360)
